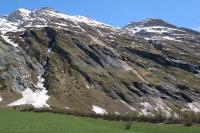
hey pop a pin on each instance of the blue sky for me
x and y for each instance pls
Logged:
(184, 13)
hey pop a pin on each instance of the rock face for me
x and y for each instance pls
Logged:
(144, 67)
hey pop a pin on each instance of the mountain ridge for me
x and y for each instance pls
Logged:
(148, 20)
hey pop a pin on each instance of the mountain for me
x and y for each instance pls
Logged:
(52, 60)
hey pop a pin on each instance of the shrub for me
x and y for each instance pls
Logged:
(128, 125)
(188, 124)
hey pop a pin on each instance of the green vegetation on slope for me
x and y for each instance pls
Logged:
(29, 122)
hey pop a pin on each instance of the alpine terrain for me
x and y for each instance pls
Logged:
(52, 60)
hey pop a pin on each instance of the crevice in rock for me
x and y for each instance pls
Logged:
(166, 92)
(51, 33)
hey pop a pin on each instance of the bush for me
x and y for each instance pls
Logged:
(128, 125)
(188, 124)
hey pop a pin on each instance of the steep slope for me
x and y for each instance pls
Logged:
(77, 63)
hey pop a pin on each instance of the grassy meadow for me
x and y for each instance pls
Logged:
(30, 122)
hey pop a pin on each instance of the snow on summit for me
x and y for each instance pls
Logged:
(24, 11)
(45, 17)
(76, 19)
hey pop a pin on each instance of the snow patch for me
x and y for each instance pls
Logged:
(1, 99)
(87, 86)
(49, 50)
(98, 110)
(151, 29)
(40, 84)
(7, 40)
(7, 26)
(170, 38)
(38, 98)
(67, 108)
(78, 26)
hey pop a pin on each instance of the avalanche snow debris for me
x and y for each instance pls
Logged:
(38, 98)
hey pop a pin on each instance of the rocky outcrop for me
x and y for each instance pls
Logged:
(166, 61)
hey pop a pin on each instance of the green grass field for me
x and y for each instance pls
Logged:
(29, 122)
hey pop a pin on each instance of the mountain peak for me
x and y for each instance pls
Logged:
(150, 22)
(48, 9)
(151, 19)
(45, 17)
(19, 15)
(23, 10)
